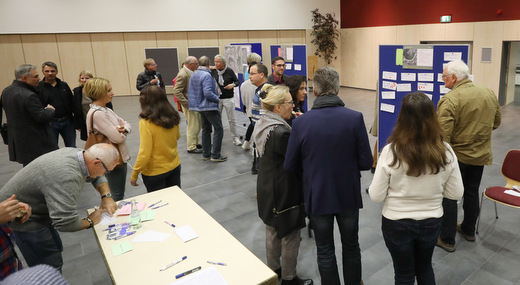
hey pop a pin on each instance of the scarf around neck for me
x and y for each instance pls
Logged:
(268, 122)
(327, 100)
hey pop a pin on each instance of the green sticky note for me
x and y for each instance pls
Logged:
(121, 248)
(147, 215)
(399, 56)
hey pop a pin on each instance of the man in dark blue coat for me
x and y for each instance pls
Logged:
(330, 145)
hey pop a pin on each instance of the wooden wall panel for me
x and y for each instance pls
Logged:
(459, 32)
(39, 49)
(409, 35)
(135, 43)
(203, 39)
(110, 61)
(511, 30)
(291, 37)
(226, 38)
(177, 40)
(75, 52)
(489, 35)
(11, 56)
(433, 32)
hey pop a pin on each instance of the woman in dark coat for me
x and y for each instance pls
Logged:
(279, 193)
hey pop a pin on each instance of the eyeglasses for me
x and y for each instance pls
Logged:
(290, 102)
(104, 166)
(280, 65)
(445, 75)
(252, 73)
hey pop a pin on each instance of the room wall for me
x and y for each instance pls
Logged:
(360, 54)
(119, 56)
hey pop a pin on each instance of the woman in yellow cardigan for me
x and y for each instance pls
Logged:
(158, 158)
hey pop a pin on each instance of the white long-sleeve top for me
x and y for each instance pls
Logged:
(410, 197)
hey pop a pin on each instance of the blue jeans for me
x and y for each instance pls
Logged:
(117, 181)
(348, 223)
(411, 245)
(161, 181)
(211, 119)
(66, 130)
(42, 246)
(471, 176)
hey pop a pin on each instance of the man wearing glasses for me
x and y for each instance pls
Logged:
(277, 77)
(51, 186)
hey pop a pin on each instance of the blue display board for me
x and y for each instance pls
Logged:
(295, 66)
(396, 81)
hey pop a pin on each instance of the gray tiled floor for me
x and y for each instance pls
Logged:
(227, 192)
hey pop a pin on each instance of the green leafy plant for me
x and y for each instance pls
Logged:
(325, 32)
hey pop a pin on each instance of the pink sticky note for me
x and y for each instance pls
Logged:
(128, 208)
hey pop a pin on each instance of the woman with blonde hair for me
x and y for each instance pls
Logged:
(105, 121)
(158, 158)
(416, 169)
(279, 193)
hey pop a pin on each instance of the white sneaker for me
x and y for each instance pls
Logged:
(237, 141)
(246, 145)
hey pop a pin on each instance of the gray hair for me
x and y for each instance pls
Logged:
(253, 57)
(104, 151)
(221, 57)
(458, 68)
(51, 64)
(204, 61)
(190, 59)
(326, 81)
(23, 70)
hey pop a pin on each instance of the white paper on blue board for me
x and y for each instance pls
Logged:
(387, 108)
(297, 67)
(443, 89)
(288, 66)
(389, 75)
(424, 57)
(407, 76)
(439, 77)
(450, 56)
(388, 95)
(389, 85)
(290, 52)
(404, 87)
(425, 77)
(422, 86)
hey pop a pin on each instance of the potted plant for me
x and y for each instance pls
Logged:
(325, 32)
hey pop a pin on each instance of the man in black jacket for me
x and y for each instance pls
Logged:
(57, 93)
(28, 120)
(149, 76)
(226, 81)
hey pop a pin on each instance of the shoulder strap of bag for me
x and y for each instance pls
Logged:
(92, 122)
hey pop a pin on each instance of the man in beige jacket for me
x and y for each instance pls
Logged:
(180, 90)
(468, 114)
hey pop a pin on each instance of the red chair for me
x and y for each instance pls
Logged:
(511, 171)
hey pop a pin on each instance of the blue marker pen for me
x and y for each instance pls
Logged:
(187, 272)
(159, 206)
(155, 203)
(170, 224)
(217, 263)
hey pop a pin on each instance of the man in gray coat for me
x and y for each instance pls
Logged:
(29, 128)
(51, 186)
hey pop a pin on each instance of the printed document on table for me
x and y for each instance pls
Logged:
(186, 233)
(205, 276)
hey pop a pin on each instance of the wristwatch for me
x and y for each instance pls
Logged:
(89, 221)
(107, 195)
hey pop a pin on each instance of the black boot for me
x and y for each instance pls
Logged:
(297, 281)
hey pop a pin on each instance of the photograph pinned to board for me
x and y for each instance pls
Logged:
(418, 57)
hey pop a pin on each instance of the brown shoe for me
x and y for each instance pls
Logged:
(446, 246)
(465, 235)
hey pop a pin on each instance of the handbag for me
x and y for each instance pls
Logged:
(289, 220)
(94, 138)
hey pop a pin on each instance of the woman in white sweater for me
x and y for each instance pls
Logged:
(416, 169)
(106, 122)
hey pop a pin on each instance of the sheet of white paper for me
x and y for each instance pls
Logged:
(450, 56)
(186, 233)
(389, 85)
(404, 87)
(205, 276)
(288, 66)
(421, 86)
(443, 89)
(425, 77)
(107, 220)
(512, 192)
(439, 77)
(290, 53)
(388, 95)
(389, 75)
(407, 76)
(151, 236)
(425, 57)
(387, 108)
(297, 67)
